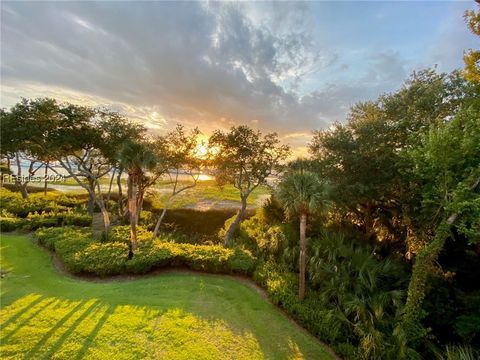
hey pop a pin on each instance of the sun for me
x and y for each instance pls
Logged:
(201, 151)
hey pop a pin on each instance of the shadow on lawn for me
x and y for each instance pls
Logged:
(41, 327)
(181, 317)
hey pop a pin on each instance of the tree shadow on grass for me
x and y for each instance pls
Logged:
(30, 317)
(36, 300)
(93, 334)
(90, 308)
(59, 324)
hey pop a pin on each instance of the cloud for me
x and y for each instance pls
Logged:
(212, 65)
(192, 62)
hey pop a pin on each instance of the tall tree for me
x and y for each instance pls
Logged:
(363, 159)
(136, 158)
(302, 194)
(447, 165)
(245, 159)
(178, 153)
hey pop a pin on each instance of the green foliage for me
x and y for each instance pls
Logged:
(102, 258)
(198, 226)
(364, 159)
(256, 234)
(147, 219)
(367, 292)
(448, 166)
(302, 193)
(209, 258)
(245, 158)
(81, 253)
(9, 222)
(153, 255)
(122, 234)
(282, 288)
(55, 218)
(468, 327)
(49, 236)
(37, 202)
(455, 352)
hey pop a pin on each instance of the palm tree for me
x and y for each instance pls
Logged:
(302, 194)
(136, 158)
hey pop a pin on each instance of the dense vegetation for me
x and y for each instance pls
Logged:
(372, 243)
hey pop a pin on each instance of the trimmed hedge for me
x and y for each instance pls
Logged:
(209, 258)
(82, 254)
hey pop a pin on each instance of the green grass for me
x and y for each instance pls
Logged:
(45, 314)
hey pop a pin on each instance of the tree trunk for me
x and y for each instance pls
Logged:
(369, 219)
(23, 189)
(160, 219)
(45, 179)
(120, 193)
(141, 194)
(110, 186)
(132, 209)
(106, 216)
(21, 185)
(301, 259)
(103, 208)
(91, 196)
(236, 222)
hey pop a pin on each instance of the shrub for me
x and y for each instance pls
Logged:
(55, 218)
(37, 202)
(10, 223)
(102, 258)
(81, 253)
(147, 219)
(210, 258)
(282, 288)
(264, 239)
(44, 235)
(122, 234)
(154, 255)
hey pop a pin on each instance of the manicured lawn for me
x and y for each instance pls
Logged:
(45, 314)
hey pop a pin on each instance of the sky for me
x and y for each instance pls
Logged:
(289, 67)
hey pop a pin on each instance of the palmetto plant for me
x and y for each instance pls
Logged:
(364, 293)
(302, 194)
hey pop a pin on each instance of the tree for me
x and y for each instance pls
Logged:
(243, 158)
(447, 165)
(362, 158)
(85, 141)
(24, 132)
(178, 151)
(472, 57)
(302, 193)
(136, 158)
